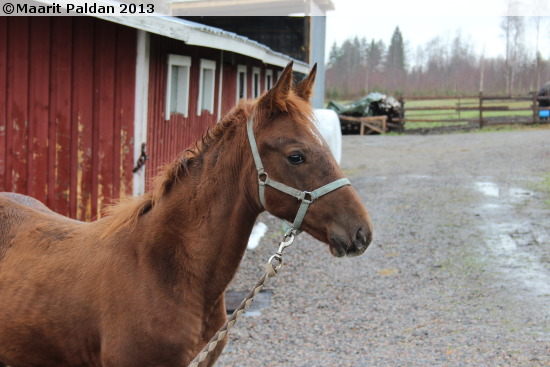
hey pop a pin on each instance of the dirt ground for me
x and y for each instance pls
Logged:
(458, 273)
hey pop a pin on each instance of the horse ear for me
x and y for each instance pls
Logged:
(284, 84)
(304, 89)
(274, 99)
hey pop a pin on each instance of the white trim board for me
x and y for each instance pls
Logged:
(140, 108)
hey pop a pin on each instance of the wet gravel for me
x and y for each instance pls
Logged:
(458, 273)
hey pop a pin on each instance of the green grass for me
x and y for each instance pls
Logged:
(438, 117)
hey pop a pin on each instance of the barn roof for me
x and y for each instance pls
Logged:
(191, 33)
(201, 35)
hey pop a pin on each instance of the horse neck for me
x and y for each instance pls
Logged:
(202, 225)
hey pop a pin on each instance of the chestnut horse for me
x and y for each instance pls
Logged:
(144, 285)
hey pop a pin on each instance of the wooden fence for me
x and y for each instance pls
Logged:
(478, 110)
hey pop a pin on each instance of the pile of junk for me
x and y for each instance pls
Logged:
(374, 104)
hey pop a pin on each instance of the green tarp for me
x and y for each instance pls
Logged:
(361, 107)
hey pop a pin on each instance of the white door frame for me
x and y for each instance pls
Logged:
(140, 107)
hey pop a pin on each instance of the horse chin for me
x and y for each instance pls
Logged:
(337, 250)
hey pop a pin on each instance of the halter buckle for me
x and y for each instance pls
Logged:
(262, 178)
(307, 197)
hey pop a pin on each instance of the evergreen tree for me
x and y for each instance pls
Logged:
(375, 55)
(334, 56)
(396, 52)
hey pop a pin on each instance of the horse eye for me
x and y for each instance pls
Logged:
(296, 159)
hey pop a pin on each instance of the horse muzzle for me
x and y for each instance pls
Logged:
(351, 246)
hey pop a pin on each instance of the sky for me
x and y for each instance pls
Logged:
(420, 21)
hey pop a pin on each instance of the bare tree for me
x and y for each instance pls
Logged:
(538, 23)
(513, 28)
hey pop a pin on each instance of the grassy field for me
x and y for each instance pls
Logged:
(420, 110)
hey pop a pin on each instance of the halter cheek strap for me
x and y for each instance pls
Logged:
(306, 197)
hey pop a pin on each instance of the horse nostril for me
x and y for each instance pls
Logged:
(363, 236)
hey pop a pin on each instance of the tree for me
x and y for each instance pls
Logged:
(334, 56)
(446, 65)
(375, 56)
(395, 60)
(513, 28)
(346, 67)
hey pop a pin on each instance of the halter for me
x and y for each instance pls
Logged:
(306, 197)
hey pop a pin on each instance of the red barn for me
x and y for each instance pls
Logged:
(81, 95)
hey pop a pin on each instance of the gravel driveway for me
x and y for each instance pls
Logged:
(458, 273)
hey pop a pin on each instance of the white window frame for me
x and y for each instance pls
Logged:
(279, 73)
(182, 106)
(268, 75)
(256, 89)
(206, 65)
(241, 69)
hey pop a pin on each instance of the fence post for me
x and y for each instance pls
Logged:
(401, 127)
(480, 109)
(535, 108)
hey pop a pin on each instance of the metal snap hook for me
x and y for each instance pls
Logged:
(286, 243)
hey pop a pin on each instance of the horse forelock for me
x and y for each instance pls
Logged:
(297, 109)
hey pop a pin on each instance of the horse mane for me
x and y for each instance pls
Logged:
(128, 209)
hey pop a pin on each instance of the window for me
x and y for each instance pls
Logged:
(255, 82)
(177, 90)
(279, 73)
(268, 79)
(241, 82)
(207, 81)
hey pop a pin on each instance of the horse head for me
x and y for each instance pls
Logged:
(294, 153)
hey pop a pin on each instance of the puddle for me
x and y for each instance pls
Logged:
(488, 188)
(510, 245)
(234, 298)
(514, 191)
(513, 243)
(491, 189)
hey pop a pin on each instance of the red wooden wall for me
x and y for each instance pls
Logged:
(166, 139)
(67, 90)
